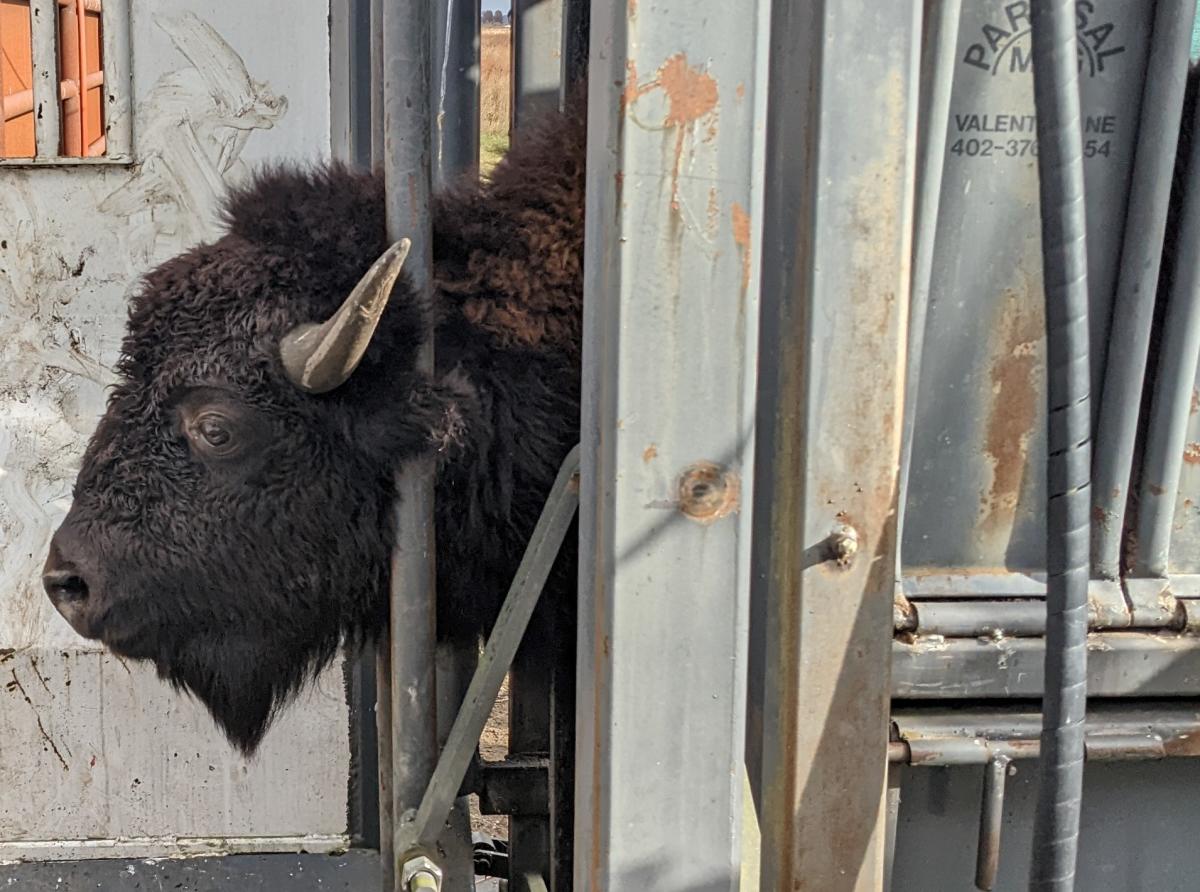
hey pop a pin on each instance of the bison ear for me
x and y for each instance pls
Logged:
(430, 417)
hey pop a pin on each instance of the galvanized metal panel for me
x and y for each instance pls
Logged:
(212, 98)
(674, 190)
(977, 487)
(1138, 828)
(838, 244)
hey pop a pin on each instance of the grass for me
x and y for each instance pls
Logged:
(495, 64)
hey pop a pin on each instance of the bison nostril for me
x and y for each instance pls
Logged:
(63, 586)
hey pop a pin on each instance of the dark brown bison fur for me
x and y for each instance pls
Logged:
(241, 576)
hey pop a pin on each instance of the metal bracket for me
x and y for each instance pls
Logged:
(421, 829)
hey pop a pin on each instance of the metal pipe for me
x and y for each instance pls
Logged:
(518, 607)
(991, 822)
(938, 62)
(406, 164)
(1141, 252)
(456, 86)
(1170, 410)
(1064, 252)
(44, 32)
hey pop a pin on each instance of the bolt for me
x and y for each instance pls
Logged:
(420, 874)
(843, 544)
(707, 492)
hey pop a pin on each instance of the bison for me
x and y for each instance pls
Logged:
(232, 516)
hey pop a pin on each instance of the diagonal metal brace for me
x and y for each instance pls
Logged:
(420, 831)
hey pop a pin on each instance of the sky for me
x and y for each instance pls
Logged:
(495, 5)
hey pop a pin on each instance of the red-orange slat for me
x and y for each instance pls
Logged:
(16, 79)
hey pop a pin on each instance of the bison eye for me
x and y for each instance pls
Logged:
(213, 432)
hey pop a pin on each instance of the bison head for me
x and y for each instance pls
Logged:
(232, 515)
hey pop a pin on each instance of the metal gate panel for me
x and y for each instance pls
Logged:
(674, 191)
(974, 504)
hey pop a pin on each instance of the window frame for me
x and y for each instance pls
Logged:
(116, 58)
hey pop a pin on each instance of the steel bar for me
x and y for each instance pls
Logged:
(44, 25)
(456, 89)
(1120, 664)
(501, 646)
(1174, 384)
(1064, 250)
(537, 27)
(938, 59)
(117, 59)
(828, 465)
(675, 183)
(407, 176)
(576, 17)
(1133, 307)
(991, 822)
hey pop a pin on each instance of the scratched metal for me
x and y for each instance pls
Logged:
(674, 191)
(975, 501)
(100, 760)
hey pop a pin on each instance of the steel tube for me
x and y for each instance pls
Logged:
(991, 822)
(456, 87)
(1166, 435)
(938, 61)
(1064, 252)
(1133, 307)
(407, 174)
(44, 25)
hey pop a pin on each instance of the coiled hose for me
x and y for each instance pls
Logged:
(1064, 261)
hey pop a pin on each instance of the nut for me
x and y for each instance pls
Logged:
(420, 874)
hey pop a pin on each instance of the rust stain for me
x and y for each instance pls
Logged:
(46, 737)
(650, 453)
(1191, 454)
(1157, 490)
(1195, 401)
(707, 492)
(1012, 407)
(713, 212)
(34, 663)
(741, 236)
(692, 95)
(632, 7)
(741, 91)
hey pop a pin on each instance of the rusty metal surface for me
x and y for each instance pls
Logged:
(976, 488)
(836, 277)
(671, 326)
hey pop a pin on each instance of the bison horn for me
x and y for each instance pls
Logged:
(318, 358)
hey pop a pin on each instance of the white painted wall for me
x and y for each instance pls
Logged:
(93, 751)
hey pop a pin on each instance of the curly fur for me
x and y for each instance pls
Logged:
(240, 579)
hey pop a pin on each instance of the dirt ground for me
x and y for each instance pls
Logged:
(494, 746)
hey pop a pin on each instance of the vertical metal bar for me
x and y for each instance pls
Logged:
(1133, 308)
(44, 24)
(894, 786)
(1174, 384)
(455, 666)
(674, 198)
(536, 58)
(407, 175)
(350, 124)
(938, 58)
(530, 689)
(377, 150)
(991, 823)
(576, 17)
(836, 284)
(1068, 495)
(456, 88)
(383, 653)
(72, 86)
